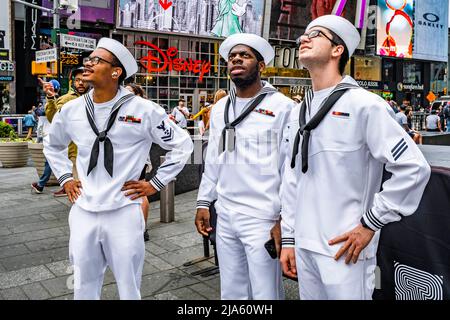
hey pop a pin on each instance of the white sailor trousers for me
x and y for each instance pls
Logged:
(107, 238)
(246, 269)
(320, 277)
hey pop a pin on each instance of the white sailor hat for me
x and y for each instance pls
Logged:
(248, 39)
(342, 27)
(122, 54)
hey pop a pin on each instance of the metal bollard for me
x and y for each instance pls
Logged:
(167, 200)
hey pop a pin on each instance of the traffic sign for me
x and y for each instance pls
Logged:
(46, 55)
(82, 43)
(431, 96)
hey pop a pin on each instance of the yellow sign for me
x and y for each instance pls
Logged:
(38, 67)
(69, 59)
(431, 96)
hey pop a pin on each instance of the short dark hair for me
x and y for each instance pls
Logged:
(116, 63)
(137, 89)
(258, 55)
(345, 55)
(181, 100)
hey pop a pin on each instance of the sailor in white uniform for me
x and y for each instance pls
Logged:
(114, 131)
(333, 208)
(243, 172)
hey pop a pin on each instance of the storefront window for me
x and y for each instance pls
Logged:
(388, 71)
(438, 79)
(367, 68)
(412, 72)
(179, 71)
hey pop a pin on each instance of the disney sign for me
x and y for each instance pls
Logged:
(167, 61)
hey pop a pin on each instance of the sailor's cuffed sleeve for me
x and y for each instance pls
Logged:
(288, 187)
(390, 144)
(170, 137)
(207, 190)
(55, 144)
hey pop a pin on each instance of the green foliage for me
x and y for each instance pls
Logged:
(7, 131)
(8, 134)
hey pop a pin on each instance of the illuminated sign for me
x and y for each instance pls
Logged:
(69, 59)
(167, 61)
(6, 66)
(369, 84)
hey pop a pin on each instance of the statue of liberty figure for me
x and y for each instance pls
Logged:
(227, 22)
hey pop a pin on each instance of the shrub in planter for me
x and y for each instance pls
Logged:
(13, 150)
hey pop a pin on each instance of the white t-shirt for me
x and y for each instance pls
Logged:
(401, 118)
(179, 117)
(318, 98)
(432, 121)
(102, 111)
(239, 106)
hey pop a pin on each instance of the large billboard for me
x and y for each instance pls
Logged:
(289, 18)
(89, 11)
(395, 28)
(413, 29)
(216, 18)
(5, 21)
(431, 30)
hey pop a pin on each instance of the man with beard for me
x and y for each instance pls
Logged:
(53, 105)
(243, 169)
(114, 131)
(342, 137)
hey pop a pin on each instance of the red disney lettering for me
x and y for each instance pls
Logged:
(169, 62)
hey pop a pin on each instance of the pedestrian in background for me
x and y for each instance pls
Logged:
(29, 122)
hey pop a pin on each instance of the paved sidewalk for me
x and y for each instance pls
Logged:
(34, 236)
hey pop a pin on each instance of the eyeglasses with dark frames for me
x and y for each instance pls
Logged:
(95, 60)
(313, 34)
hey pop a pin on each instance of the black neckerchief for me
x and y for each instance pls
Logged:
(230, 127)
(305, 128)
(102, 136)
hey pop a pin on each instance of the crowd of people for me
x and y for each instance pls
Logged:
(436, 118)
(276, 170)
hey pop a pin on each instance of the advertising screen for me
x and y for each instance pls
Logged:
(4, 26)
(395, 28)
(289, 18)
(215, 18)
(89, 10)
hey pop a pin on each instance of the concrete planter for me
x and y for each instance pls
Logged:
(13, 154)
(36, 151)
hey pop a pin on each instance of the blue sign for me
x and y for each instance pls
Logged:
(7, 78)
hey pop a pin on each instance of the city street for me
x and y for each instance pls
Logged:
(34, 236)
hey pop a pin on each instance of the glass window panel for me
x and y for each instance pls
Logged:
(163, 81)
(174, 81)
